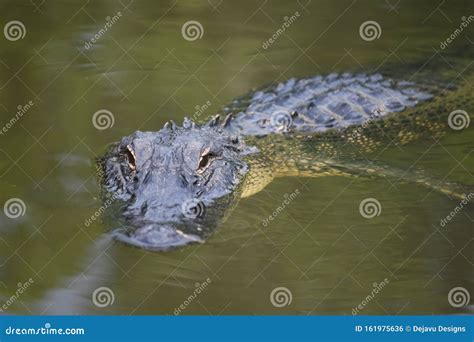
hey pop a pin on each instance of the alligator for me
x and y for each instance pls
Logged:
(179, 183)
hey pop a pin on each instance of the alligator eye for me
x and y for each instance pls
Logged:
(131, 158)
(204, 161)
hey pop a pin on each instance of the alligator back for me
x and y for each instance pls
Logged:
(324, 102)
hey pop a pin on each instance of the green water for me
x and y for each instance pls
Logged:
(145, 73)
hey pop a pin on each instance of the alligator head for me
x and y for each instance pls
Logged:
(177, 183)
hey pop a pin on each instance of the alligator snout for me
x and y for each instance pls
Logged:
(156, 237)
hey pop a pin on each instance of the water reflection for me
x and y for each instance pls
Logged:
(145, 73)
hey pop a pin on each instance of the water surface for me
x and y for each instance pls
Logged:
(145, 73)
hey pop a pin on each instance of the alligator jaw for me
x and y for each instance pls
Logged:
(155, 237)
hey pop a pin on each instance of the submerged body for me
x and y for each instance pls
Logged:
(179, 183)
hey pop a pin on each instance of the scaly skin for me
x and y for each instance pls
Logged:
(179, 183)
(345, 151)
